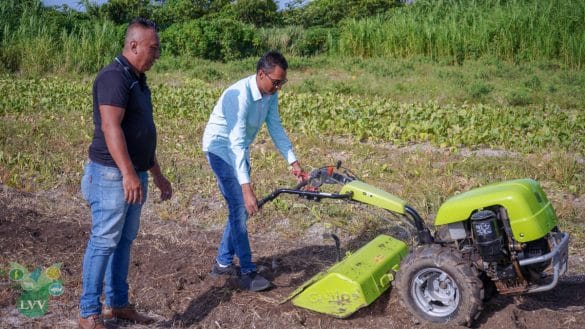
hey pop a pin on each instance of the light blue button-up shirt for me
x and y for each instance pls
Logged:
(236, 120)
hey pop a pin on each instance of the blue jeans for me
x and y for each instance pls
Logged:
(235, 235)
(115, 225)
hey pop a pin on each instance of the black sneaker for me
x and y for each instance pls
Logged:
(230, 271)
(254, 282)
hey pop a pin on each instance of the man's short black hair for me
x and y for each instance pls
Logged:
(142, 22)
(270, 60)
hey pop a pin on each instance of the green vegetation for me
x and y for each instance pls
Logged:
(46, 126)
(426, 100)
(450, 31)
(220, 39)
(526, 129)
(515, 30)
(35, 41)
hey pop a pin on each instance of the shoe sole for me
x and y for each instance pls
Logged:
(259, 289)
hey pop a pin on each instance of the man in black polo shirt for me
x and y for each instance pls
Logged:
(115, 180)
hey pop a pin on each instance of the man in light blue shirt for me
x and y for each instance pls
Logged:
(234, 123)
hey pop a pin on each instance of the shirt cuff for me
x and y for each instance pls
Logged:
(290, 157)
(243, 178)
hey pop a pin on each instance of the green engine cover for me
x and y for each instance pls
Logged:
(531, 213)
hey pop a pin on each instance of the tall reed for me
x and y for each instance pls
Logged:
(514, 30)
(33, 42)
(90, 47)
(27, 47)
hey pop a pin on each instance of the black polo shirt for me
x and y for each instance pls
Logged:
(118, 85)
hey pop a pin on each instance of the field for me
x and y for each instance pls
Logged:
(424, 101)
(421, 130)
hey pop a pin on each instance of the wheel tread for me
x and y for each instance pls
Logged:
(445, 258)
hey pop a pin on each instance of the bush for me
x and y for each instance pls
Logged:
(479, 89)
(314, 41)
(533, 83)
(221, 39)
(169, 12)
(257, 12)
(281, 38)
(519, 97)
(328, 13)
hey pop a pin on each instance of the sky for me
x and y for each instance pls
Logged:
(75, 3)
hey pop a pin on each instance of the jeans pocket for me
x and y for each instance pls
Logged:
(85, 186)
(87, 181)
(111, 175)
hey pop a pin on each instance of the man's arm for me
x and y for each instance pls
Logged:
(236, 106)
(277, 133)
(250, 201)
(282, 141)
(112, 117)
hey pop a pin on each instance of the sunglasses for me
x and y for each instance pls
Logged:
(276, 83)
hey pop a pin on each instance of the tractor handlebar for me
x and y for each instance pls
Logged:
(310, 187)
(310, 195)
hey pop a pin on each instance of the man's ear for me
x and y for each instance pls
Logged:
(134, 46)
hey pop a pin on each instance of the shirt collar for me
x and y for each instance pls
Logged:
(126, 64)
(256, 94)
(124, 61)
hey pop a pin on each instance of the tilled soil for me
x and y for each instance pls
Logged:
(169, 276)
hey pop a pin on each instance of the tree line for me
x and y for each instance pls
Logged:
(34, 38)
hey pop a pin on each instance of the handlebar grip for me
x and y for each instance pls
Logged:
(264, 200)
(301, 184)
(274, 194)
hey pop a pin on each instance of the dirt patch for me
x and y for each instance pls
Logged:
(169, 276)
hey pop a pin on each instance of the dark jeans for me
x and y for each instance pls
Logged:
(235, 235)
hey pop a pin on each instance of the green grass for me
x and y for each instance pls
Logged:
(484, 81)
(419, 129)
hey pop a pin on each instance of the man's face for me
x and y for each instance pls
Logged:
(271, 81)
(147, 50)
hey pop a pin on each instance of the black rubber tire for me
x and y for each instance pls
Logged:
(448, 260)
